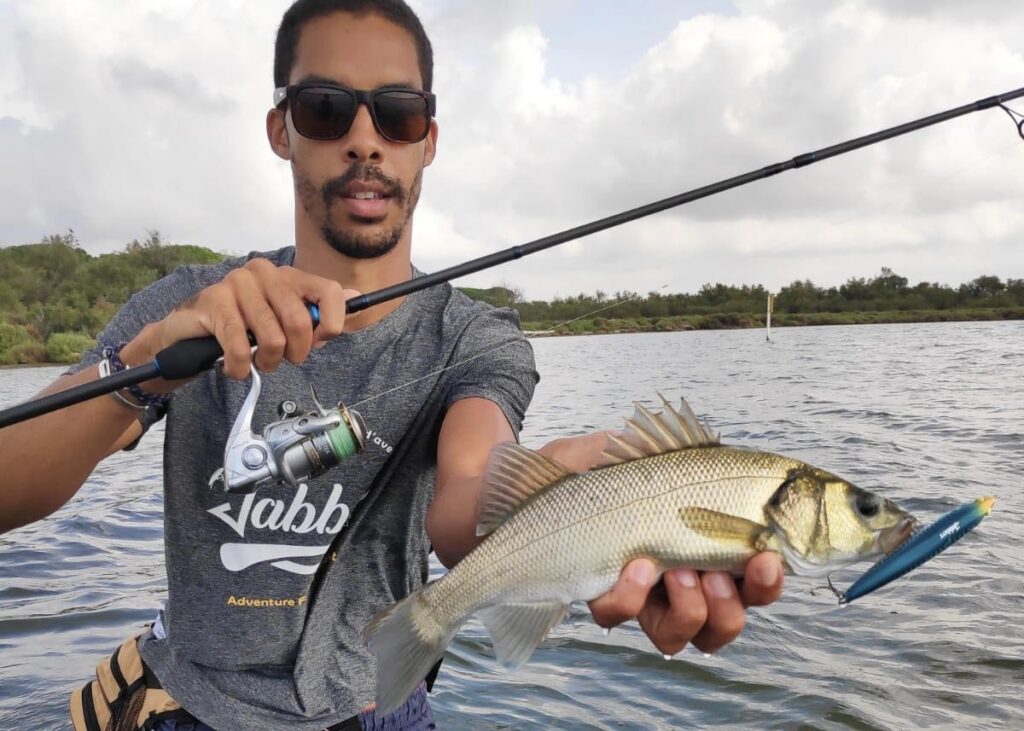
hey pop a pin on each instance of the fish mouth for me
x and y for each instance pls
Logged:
(899, 534)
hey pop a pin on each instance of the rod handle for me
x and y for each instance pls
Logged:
(187, 358)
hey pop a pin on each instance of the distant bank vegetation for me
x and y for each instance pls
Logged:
(55, 298)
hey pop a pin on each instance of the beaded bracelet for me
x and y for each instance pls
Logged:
(145, 398)
(104, 366)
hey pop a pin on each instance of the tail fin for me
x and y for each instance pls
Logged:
(408, 641)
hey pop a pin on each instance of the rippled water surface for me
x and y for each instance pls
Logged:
(929, 415)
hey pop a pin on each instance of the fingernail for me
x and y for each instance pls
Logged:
(721, 586)
(322, 343)
(667, 657)
(686, 577)
(706, 655)
(643, 573)
(767, 573)
(606, 631)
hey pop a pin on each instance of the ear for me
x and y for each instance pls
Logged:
(431, 147)
(277, 133)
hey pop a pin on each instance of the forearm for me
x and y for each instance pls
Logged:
(45, 460)
(452, 518)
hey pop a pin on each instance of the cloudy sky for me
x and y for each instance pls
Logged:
(119, 116)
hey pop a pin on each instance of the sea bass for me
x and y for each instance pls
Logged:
(665, 489)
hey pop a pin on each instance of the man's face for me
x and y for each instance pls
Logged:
(359, 191)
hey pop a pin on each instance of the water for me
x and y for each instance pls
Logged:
(930, 415)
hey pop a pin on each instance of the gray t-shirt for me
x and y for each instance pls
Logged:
(269, 592)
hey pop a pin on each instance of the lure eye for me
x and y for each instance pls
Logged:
(868, 505)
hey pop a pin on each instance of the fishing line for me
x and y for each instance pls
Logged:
(937, 184)
(1016, 117)
(492, 350)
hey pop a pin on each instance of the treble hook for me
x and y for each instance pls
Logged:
(1014, 118)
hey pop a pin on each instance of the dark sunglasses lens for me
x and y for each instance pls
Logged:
(402, 116)
(323, 114)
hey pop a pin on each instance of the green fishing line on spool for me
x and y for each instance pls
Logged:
(342, 442)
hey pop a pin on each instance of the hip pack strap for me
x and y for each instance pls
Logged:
(125, 696)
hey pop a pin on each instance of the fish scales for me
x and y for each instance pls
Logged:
(576, 535)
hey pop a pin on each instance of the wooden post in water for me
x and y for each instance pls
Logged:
(768, 319)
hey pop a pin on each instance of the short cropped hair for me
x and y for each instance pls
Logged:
(302, 11)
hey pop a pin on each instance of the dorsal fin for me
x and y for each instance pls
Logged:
(513, 474)
(648, 434)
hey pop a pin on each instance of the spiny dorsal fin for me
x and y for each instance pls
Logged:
(513, 474)
(648, 434)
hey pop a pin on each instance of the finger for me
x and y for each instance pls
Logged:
(627, 597)
(762, 580)
(290, 309)
(726, 615)
(674, 616)
(229, 329)
(332, 313)
(579, 453)
(260, 318)
(326, 294)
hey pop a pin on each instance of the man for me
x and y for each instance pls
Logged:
(269, 592)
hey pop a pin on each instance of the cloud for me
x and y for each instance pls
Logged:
(117, 119)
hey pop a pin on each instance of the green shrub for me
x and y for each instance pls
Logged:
(27, 353)
(11, 335)
(67, 347)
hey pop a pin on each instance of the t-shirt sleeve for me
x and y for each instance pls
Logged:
(148, 305)
(495, 361)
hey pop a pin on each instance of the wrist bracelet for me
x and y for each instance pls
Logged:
(104, 368)
(142, 397)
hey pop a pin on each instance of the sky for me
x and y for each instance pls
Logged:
(122, 116)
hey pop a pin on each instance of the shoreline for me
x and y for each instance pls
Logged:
(727, 321)
(746, 321)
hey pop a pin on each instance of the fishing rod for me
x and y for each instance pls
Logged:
(190, 357)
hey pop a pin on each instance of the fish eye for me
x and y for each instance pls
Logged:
(868, 505)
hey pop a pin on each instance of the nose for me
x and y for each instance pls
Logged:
(362, 143)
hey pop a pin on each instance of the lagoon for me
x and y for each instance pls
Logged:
(930, 415)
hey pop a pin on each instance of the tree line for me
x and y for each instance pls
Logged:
(886, 292)
(55, 298)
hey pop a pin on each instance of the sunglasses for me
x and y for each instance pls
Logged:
(326, 111)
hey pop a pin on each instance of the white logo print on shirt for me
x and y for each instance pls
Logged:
(298, 516)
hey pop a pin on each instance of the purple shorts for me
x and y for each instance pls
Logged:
(413, 715)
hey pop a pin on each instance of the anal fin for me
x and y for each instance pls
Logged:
(517, 629)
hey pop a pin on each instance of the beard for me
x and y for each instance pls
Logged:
(317, 204)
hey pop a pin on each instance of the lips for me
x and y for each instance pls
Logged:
(899, 534)
(366, 199)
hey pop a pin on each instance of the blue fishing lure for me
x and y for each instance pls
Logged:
(919, 548)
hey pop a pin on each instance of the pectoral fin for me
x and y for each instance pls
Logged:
(517, 629)
(724, 527)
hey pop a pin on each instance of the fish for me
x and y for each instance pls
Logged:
(665, 489)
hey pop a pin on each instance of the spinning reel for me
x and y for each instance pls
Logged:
(294, 449)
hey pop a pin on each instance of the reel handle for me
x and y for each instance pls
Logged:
(187, 358)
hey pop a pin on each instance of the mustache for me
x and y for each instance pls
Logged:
(363, 173)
